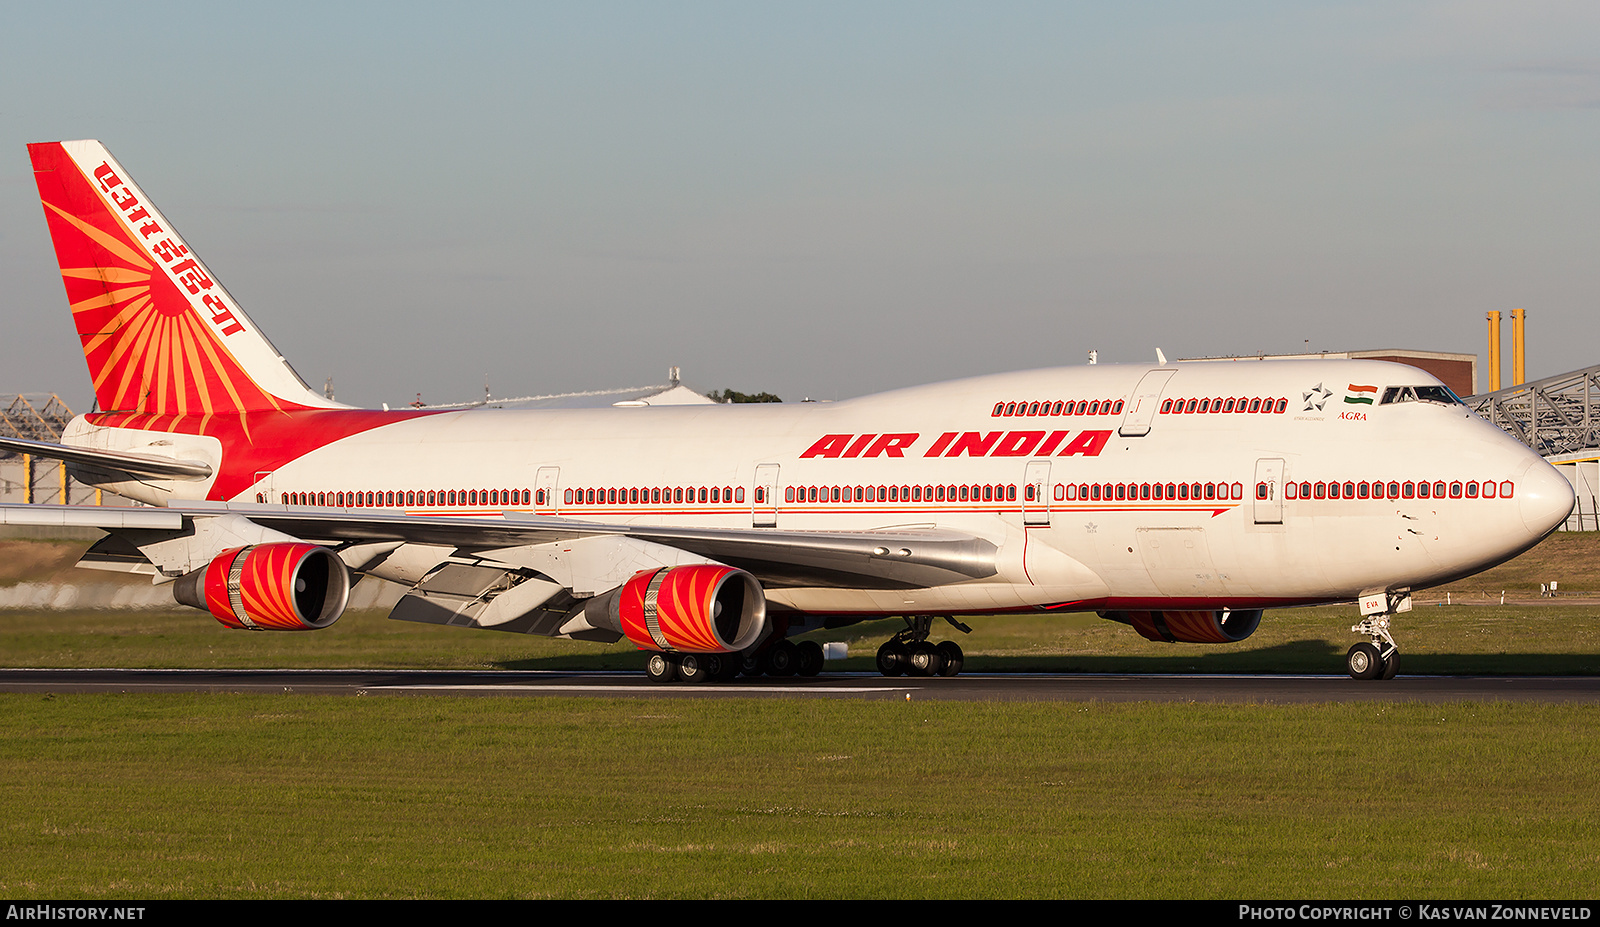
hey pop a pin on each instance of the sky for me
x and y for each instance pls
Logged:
(823, 200)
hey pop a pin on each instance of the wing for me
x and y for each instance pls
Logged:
(887, 559)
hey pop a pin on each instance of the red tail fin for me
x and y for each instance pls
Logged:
(159, 333)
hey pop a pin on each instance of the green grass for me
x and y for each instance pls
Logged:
(1510, 640)
(332, 797)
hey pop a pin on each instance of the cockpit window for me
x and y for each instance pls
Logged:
(1437, 394)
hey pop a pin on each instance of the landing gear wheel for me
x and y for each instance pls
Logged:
(1364, 661)
(721, 667)
(808, 658)
(892, 658)
(781, 660)
(1391, 664)
(751, 664)
(660, 668)
(953, 658)
(692, 668)
(924, 660)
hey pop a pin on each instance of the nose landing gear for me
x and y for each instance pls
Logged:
(909, 652)
(1379, 659)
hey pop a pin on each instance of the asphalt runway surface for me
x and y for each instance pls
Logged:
(970, 687)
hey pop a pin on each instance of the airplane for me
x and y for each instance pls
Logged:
(1180, 499)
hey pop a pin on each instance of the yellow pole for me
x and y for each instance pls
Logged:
(63, 473)
(1494, 350)
(1519, 340)
(27, 479)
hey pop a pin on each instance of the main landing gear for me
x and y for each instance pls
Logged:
(910, 653)
(1379, 659)
(783, 658)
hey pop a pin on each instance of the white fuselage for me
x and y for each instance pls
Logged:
(1201, 510)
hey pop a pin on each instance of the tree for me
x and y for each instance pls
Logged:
(729, 395)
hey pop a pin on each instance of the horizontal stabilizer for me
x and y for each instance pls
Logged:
(151, 465)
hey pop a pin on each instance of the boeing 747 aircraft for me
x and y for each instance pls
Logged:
(1180, 500)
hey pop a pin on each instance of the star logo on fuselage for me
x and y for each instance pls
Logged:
(1315, 397)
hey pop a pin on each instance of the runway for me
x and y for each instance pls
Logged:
(968, 687)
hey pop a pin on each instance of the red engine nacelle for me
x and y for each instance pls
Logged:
(1209, 627)
(277, 587)
(701, 608)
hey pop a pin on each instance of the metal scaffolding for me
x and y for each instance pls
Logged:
(36, 417)
(1556, 416)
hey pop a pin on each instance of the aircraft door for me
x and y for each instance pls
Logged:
(1268, 491)
(1146, 397)
(764, 497)
(544, 490)
(1035, 501)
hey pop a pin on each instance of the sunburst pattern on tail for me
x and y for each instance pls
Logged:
(160, 334)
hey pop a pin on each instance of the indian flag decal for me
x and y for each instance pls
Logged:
(1361, 400)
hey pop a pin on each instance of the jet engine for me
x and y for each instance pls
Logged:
(1208, 627)
(700, 608)
(277, 587)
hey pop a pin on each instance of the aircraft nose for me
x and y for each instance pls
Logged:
(1544, 498)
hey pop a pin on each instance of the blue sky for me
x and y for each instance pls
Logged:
(821, 199)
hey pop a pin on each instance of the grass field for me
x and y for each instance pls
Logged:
(333, 797)
(235, 796)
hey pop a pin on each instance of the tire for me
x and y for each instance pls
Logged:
(1391, 664)
(751, 664)
(720, 667)
(924, 660)
(1363, 661)
(809, 662)
(692, 669)
(732, 666)
(660, 668)
(892, 659)
(953, 658)
(781, 660)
